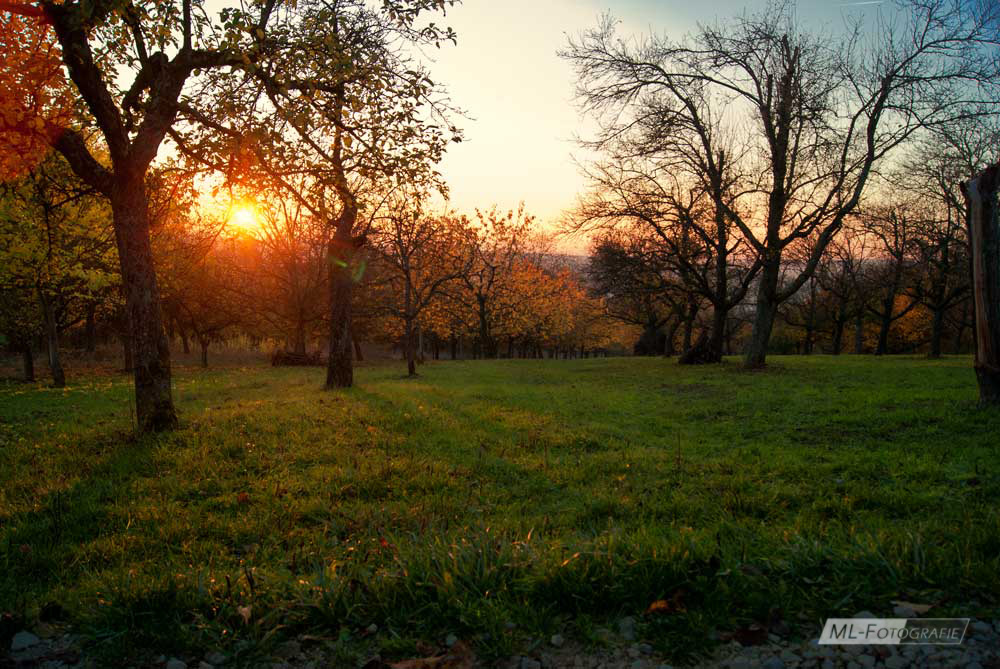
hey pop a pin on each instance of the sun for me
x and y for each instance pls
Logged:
(244, 216)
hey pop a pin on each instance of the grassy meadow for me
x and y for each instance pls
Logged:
(500, 501)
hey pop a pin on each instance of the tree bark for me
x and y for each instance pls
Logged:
(358, 355)
(937, 329)
(28, 362)
(300, 336)
(983, 220)
(52, 342)
(767, 309)
(859, 333)
(128, 362)
(90, 329)
(882, 347)
(340, 260)
(149, 348)
(411, 363)
(204, 352)
(717, 336)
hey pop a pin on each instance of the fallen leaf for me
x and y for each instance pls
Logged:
(675, 604)
(244, 612)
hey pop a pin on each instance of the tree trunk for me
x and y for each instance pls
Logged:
(763, 323)
(28, 361)
(340, 260)
(90, 329)
(204, 352)
(454, 348)
(149, 347)
(52, 341)
(420, 344)
(185, 344)
(960, 333)
(838, 337)
(411, 363)
(717, 337)
(882, 347)
(983, 220)
(486, 347)
(937, 329)
(358, 355)
(669, 349)
(128, 361)
(859, 333)
(300, 336)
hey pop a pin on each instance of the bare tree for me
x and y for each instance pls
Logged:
(819, 114)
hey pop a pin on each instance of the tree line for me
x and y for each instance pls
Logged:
(425, 282)
(759, 172)
(734, 166)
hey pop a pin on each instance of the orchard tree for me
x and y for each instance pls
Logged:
(496, 242)
(335, 116)
(54, 247)
(423, 253)
(819, 115)
(638, 288)
(165, 54)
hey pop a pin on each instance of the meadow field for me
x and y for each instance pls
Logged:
(499, 502)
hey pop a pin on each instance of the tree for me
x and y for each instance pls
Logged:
(819, 116)
(423, 254)
(891, 268)
(983, 220)
(102, 41)
(333, 114)
(56, 249)
(496, 243)
(638, 289)
(933, 171)
(840, 276)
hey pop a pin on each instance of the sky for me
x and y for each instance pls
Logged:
(506, 74)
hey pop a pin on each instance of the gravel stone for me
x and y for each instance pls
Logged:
(23, 640)
(215, 658)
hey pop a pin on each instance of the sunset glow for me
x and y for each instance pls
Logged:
(244, 216)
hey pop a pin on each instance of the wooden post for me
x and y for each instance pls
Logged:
(983, 220)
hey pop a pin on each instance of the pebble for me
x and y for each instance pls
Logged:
(174, 663)
(981, 628)
(23, 641)
(530, 663)
(626, 628)
(773, 663)
(557, 640)
(215, 658)
(450, 640)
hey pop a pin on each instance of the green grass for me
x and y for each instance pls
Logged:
(555, 495)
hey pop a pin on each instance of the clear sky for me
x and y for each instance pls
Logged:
(519, 94)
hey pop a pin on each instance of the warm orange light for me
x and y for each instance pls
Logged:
(244, 216)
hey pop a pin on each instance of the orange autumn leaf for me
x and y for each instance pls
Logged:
(37, 99)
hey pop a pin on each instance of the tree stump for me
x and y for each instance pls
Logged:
(983, 220)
